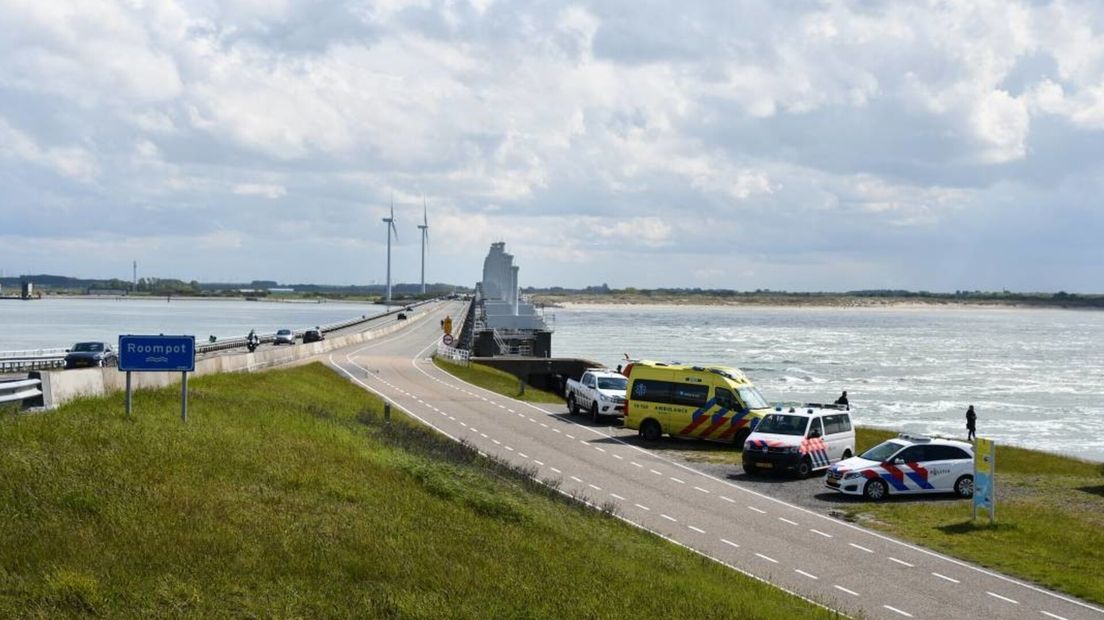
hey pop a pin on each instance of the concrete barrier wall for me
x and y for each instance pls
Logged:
(60, 387)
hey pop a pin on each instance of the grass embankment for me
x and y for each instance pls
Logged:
(496, 381)
(285, 495)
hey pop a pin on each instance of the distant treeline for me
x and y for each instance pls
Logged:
(256, 288)
(1060, 298)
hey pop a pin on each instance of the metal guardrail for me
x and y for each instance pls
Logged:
(19, 391)
(32, 359)
(460, 356)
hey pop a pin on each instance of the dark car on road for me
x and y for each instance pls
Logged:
(89, 355)
(284, 336)
(313, 335)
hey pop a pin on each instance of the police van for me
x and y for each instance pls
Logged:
(801, 439)
(683, 400)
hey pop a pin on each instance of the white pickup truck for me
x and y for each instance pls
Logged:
(598, 392)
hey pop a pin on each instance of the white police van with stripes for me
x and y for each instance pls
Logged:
(800, 439)
(907, 464)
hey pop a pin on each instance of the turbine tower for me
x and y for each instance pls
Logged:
(424, 227)
(390, 221)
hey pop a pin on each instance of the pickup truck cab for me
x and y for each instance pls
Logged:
(599, 391)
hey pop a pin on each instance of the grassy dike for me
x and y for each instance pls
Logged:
(496, 381)
(285, 495)
(1050, 511)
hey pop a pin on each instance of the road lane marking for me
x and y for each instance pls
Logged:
(861, 548)
(758, 510)
(728, 499)
(464, 424)
(843, 589)
(570, 436)
(901, 562)
(538, 462)
(544, 425)
(669, 518)
(701, 489)
(698, 530)
(598, 448)
(475, 429)
(658, 473)
(616, 496)
(497, 442)
(642, 507)
(509, 448)
(582, 441)
(576, 479)
(903, 613)
(1055, 616)
(950, 579)
(785, 520)
(596, 488)
(523, 455)
(809, 575)
(483, 435)
(635, 464)
(556, 430)
(677, 480)
(1003, 598)
(769, 559)
(729, 543)
(820, 533)
(555, 470)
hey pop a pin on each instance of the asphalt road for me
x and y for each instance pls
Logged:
(740, 523)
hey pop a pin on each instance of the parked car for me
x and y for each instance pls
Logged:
(904, 465)
(402, 317)
(284, 336)
(313, 335)
(801, 439)
(90, 354)
(598, 391)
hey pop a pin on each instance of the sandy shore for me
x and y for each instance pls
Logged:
(798, 301)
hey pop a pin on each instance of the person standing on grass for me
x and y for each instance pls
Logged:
(971, 424)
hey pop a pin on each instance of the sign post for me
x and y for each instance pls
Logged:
(985, 478)
(158, 354)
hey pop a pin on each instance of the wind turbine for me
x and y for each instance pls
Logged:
(390, 229)
(424, 227)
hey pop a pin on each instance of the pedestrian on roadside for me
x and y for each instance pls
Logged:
(842, 400)
(971, 424)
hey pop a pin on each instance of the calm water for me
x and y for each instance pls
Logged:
(1036, 377)
(43, 323)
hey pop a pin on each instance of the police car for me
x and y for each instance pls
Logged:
(904, 465)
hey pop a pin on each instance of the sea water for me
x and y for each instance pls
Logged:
(1035, 376)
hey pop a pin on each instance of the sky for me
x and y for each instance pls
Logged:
(806, 146)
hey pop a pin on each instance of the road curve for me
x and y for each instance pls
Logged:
(834, 563)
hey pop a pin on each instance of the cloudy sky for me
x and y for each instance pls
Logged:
(736, 144)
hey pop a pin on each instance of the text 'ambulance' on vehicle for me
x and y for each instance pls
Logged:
(682, 400)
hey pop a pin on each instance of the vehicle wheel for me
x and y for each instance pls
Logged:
(594, 417)
(805, 468)
(846, 455)
(572, 408)
(875, 490)
(651, 430)
(751, 470)
(964, 486)
(741, 437)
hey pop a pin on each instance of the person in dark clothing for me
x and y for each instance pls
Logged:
(842, 400)
(971, 424)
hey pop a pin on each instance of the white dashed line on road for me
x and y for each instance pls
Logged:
(729, 543)
(894, 609)
(577, 479)
(616, 496)
(555, 470)
(596, 488)
(674, 479)
(619, 457)
(901, 562)
(642, 507)
(809, 575)
(1003, 598)
(785, 520)
(950, 579)
(767, 558)
(635, 464)
(701, 489)
(497, 442)
(669, 518)
(861, 548)
(538, 462)
(727, 499)
(1055, 616)
(763, 512)
(843, 589)
(820, 533)
(598, 449)
(698, 530)
(658, 473)
(509, 448)
(570, 436)
(523, 455)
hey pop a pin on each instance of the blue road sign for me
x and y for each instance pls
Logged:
(157, 353)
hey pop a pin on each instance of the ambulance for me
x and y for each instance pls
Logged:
(683, 400)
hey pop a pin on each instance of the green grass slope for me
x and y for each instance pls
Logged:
(497, 381)
(285, 495)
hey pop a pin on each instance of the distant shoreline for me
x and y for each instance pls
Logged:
(810, 301)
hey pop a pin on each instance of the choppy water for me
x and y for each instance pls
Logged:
(1036, 377)
(45, 323)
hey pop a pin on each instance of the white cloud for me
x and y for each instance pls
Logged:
(265, 190)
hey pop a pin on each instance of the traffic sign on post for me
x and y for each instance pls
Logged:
(158, 354)
(447, 339)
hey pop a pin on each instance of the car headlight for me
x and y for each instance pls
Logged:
(851, 475)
